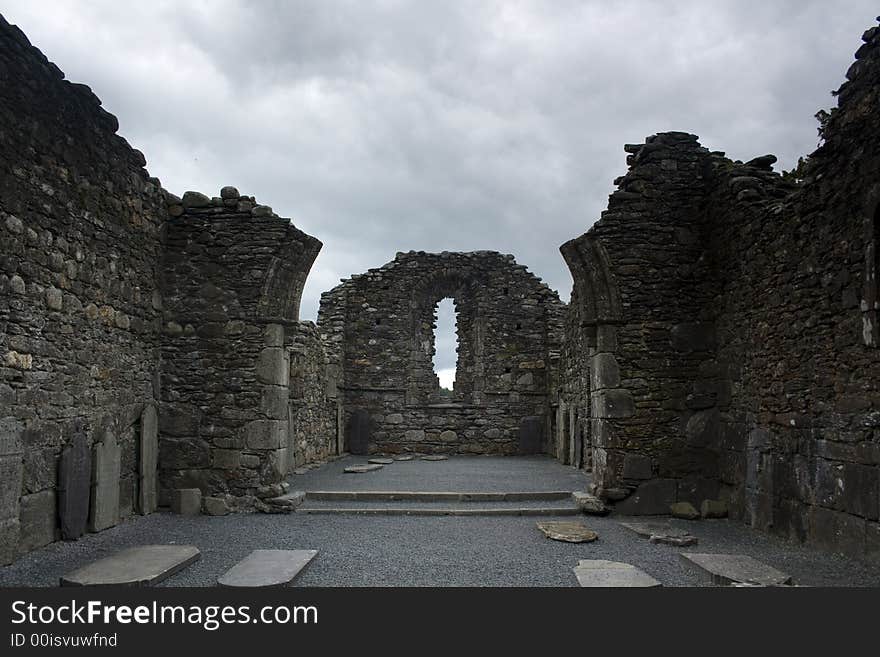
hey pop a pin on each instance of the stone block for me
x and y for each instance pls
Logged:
(274, 402)
(225, 459)
(186, 501)
(148, 455)
(613, 404)
(215, 506)
(604, 372)
(684, 510)
(274, 335)
(861, 490)
(106, 466)
(74, 486)
(37, 520)
(703, 428)
(636, 466)
(650, 498)
(713, 509)
(273, 366)
(265, 434)
(183, 453)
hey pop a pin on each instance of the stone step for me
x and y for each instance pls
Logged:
(436, 496)
(425, 510)
(143, 565)
(267, 569)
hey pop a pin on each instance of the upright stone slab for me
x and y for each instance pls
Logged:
(598, 573)
(74, 486)
(531, 435)
(143, 565)
(358, 432)
(267, 568)
(148, 460)
(726, 569)
(11, 470)
(105, 484)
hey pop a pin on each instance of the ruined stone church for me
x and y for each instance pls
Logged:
(721, 341)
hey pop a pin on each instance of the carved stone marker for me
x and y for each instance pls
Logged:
(531, 435)
(74, 486)
(11, 470)
(726, 569)
(357, 434)
(144, 565)
(267, 568)
(598, 573)
(105, 484)
(148, 459)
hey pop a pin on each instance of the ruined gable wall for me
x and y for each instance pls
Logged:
(801, 447)
(79, 306)
(638, 305)
(234, 360)
(508, 342)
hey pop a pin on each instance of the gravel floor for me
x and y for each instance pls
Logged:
(434, 551)
(459, 473)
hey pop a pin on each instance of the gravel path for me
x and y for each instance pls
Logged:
(434, 551)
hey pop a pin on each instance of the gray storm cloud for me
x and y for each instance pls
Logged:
(388, 126)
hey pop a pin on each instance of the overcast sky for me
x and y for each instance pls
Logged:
(388, 126)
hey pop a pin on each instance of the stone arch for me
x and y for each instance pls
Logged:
(285, 278)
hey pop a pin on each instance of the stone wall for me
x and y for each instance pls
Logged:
(730, 314)
(233, 273)
(141, 335)
(379, 330)
(80, 226)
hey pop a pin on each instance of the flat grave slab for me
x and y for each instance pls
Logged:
(360, 469)
(143, 565)
(435, 457)
(660, 532)
(570, 531)
(599, 573)
(267, 568)
(381, 461)
(727, 569)
(405, 457)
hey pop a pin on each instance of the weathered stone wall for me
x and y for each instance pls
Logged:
(233, 273)
(79, 304)
(379, 328)
(737, 309)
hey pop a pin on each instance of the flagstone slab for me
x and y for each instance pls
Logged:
(727, 569)
(405, 457)
(143, 565)
(435, 457)
(661, 532)
(599, 573)
(568, 531)
(381, 461)
(359, 469)
(267, 568)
